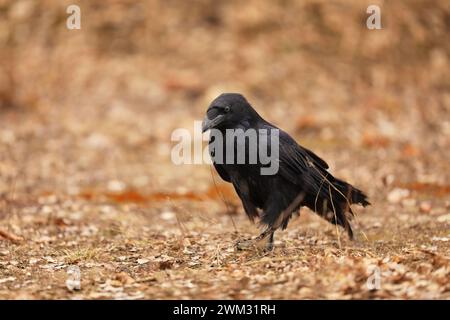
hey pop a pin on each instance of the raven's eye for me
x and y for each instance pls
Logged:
(227, 109)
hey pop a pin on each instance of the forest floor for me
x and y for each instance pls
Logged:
(84, 199)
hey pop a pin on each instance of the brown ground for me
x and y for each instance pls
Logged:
(85, 125)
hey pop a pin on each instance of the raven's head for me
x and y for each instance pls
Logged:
(227, 110)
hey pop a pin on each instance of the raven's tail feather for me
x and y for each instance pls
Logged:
(333, 199)
(352, 194)
(342, 195)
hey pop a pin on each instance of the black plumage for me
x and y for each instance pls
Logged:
(302, 178)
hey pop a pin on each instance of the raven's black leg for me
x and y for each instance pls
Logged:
(269, 231)
(274, 219)
(269, 244)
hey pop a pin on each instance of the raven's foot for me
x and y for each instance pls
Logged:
(246, 244)
(263, 242)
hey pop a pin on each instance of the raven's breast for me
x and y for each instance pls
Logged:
(248, 181)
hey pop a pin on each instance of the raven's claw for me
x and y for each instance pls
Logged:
(245, 244)
(256, 243)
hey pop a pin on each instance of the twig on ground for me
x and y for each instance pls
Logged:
(9, 236)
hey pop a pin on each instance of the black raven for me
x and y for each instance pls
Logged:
(301, 178)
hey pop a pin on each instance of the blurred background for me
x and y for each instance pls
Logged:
(88, 114)
(138, 70)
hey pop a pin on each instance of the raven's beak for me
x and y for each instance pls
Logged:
(209, 124)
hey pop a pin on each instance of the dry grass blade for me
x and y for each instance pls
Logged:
(10, 236)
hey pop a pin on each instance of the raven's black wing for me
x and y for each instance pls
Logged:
(297, 163)
(316, 159)
(303, 168)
